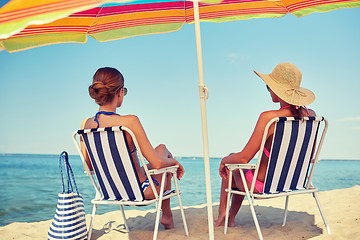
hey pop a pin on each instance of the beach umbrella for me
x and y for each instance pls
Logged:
(28, 24)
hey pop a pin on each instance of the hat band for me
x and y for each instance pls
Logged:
(291, 92)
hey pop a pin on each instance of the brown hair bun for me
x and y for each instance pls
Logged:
(107, 82)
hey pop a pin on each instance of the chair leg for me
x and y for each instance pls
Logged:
(251, 203)
(92, 221)
(124, 217)
(321, 212)
(181, 206)
(285, 210)
(157, 221)
(228, 204)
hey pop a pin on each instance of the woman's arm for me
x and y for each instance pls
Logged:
(146, 148)
(252, 146)
(83, 148)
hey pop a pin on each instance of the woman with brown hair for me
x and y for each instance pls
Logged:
(108, 91)
(284, 87)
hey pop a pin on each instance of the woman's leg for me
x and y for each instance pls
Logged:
(222, 205)
(236, 201)
(166, 219)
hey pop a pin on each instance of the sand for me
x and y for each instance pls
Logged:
(341, 207)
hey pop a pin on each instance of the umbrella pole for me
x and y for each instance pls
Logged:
(203, 92)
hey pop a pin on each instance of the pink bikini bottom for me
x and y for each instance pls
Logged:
(258, 184)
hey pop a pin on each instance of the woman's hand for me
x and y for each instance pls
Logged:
(180, 171)
(223, 170)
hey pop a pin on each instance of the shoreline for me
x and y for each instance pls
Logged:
(177, 157)
(304, 221)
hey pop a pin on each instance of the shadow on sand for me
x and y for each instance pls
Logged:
(300, 225)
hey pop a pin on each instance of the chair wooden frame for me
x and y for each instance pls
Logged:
(99, 196)
(251, 196)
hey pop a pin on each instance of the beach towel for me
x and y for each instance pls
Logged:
(69, 220)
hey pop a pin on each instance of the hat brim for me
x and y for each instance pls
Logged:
(294, 99)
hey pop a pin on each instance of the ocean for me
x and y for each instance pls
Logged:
(30, 184)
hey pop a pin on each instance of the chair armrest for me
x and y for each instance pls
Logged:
(232, 167)
(313, 160)
(171, 169)
(91, 173)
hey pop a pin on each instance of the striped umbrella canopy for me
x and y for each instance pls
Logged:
(27, 24)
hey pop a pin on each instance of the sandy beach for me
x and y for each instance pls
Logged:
(341, 208)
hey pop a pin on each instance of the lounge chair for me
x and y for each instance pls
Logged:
(293, 157)
(118, 182)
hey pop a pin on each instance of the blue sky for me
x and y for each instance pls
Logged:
(44, 94)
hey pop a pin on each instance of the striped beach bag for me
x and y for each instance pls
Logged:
(69, 220)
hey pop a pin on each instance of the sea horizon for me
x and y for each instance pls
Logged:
(180, 157)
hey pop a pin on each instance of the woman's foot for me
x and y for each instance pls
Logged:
(231, 222)
(167, 221)
(221, 220)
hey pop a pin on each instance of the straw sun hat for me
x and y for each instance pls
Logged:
(285, 81)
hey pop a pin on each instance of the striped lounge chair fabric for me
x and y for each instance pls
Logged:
(290, 155)
(293, 157)
(117, 180)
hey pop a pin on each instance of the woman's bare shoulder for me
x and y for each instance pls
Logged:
(83, 123)
(268, 115)
(123, 120)
(129, 118)
(127, 121)
(311, 113)
(264, 118)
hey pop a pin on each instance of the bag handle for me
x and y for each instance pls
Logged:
(69, 173)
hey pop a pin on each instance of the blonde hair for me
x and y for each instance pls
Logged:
(107, 81)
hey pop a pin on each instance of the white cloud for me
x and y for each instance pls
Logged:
(233, 57)
(350, 119)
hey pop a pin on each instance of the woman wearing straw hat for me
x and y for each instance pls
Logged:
(284, 87)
